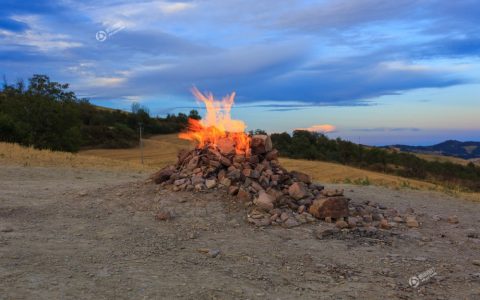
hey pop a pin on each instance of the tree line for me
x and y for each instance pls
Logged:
(46, 115)
(315, 146)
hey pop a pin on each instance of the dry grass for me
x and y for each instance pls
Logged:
(27, 156)
(158, 151)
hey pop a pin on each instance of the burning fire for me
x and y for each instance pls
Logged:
(217, 129)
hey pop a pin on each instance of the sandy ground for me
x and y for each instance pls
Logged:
(72, 234)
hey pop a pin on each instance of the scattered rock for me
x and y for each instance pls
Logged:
(452, 220)
(384, 224)
(333, 207)
(332, 193)
(210, 183)
(398, 219)
(233, 190)
(291, 222)
(83, 193)
(412, 222)
(209, 252)
(213, 253)
(341, 224)
(352, 222)
(264, 201)
(163, 216)
(243, 195)
(298, 190)
(476, 262)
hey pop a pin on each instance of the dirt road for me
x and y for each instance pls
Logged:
(72, 234)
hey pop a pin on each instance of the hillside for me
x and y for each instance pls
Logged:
(161, 150)
(465, 150)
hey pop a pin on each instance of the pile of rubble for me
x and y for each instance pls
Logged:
(273, 195)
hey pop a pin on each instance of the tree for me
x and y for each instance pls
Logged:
(194, 115)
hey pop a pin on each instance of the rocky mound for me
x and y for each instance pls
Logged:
(273, 195)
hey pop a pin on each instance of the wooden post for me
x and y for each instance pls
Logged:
(141, 142)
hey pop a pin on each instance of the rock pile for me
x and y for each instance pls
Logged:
(273, 194)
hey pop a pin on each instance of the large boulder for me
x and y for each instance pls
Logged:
(332, 207)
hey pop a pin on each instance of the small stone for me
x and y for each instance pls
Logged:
(352, 222)
(243, 195)
(341, 224)
(452, 220)
(398, 219)
(409, 210)
(302, 219)
(210, 183)
(291, 222)
(412, 222)
(377, 217)
(332, 193)
(213, 253)
(284, 216)
(384, 224)
(233, 190)
(199, 187)
(226, 182)
(301, 209)
(83, 193)
(391, 212)
(476, 262)
(328, 219)
(163, 216)
(367, 218)
(436, 218)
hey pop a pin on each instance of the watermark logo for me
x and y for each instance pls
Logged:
(102, 35)
(423, 277)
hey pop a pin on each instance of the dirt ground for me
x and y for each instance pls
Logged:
(76, 234)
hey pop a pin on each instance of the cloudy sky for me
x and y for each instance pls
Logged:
(372, 71)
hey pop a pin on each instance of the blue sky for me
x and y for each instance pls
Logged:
(380, 72)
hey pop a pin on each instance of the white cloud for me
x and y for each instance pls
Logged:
(323, 128)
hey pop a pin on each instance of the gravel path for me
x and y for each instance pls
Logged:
(73, 234)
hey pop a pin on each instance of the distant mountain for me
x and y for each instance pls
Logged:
(465, 150)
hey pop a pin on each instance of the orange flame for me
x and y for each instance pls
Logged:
(217, 128)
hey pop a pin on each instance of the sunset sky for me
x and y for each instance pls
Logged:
(372, 71)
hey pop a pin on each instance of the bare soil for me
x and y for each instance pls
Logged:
(76, 234)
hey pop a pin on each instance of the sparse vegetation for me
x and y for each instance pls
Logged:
(314, 146)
